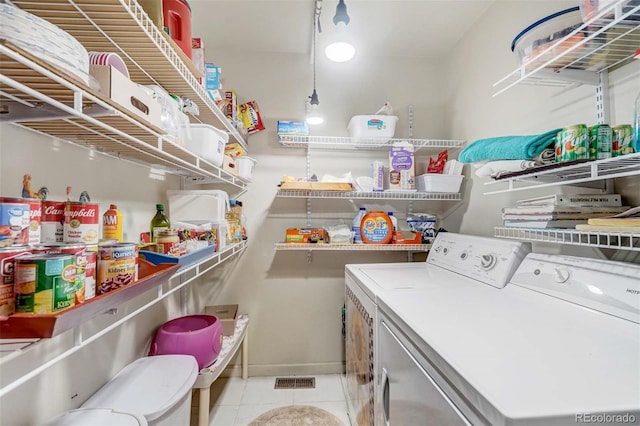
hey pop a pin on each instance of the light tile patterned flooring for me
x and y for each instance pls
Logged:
(236, 402)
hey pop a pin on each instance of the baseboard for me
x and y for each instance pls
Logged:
(286, 369)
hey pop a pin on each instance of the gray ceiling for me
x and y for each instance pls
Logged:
(407, 28)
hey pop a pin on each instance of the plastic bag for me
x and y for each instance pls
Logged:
(438, 165)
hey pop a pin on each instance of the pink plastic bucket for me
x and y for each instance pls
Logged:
(196, 335)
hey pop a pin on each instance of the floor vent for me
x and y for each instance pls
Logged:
(295, 383)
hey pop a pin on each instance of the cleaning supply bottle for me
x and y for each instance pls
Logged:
(355, 227)
(112, 224)
(159, 222)
(394, 221)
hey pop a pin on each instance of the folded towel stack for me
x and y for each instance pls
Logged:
(508, 147)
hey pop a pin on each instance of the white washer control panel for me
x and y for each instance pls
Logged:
(490, 260)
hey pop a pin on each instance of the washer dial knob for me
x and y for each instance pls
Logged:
(487, 261)
(561, 275)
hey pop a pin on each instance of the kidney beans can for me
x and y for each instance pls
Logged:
(117, 266)
(14, 222)
(52, 222)
(7, 269)
(45, 283)
(81, 223)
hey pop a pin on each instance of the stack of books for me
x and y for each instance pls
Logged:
(627, 221)
(561, 211)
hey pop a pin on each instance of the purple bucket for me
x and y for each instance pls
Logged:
(196, 335)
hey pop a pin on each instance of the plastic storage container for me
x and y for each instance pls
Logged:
(531, 42)
(208, 142)
(177, 17)
(197, 205)
(372, 126)
(196, 335)
(244, 166)
(433, 182)
(97, 417)
(157, 387)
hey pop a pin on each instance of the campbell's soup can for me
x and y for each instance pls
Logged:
(14, 222)
(52, 222)
(87, 265)
(117, 266)
(35, 218)
(81, 223)
(45, 283)
(7, 270)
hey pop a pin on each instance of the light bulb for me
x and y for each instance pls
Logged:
(340, 51)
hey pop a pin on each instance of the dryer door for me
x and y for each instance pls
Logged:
(408, 395)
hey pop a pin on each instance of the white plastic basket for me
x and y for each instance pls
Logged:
(434, 182)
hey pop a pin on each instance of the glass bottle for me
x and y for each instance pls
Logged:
(159, 222)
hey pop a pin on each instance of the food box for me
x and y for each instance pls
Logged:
(208, 142)
(235, 149)
(229, 165)
(401, 167)
(306, 235)
(293, 128)
(434, 182)
(126, 93)
(372, 126)
(227, 315)
(197, 57)
(212, 81)
(249, 115)
(316, 186)
(231, 109)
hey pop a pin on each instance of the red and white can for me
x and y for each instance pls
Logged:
(35, 218)
(60, 248)
(14, 222)
(87, 264)
(52, 222)
(81, 223)
(7, 277)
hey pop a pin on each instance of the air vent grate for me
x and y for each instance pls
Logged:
(295, 383)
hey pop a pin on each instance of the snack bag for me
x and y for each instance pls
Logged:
(438, 165)
(250, 117)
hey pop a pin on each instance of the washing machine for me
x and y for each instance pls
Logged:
(558, 345)
(455, 260)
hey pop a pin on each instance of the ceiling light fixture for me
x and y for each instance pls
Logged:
(340, 50)
(312, 114)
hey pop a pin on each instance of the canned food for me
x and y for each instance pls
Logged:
(14, 222)
(572, 143)
(81, 223)
(117, 266)
(45, 283)
(168, 243)
(600, 136)
(52, 222)
(622, 140)
(60, 248)
(35, 217)
(7, 269)
(86, 263)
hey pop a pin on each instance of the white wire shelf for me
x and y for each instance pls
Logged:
(612, 240)
(353, 195)
(606, 42)
(351, 247)
(609, 168)
(27, 83)
(122, 26)
(340, 142)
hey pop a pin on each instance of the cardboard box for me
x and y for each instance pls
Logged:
(231, 110)
(306, 235)
(117, 87)
(227, 314)
(212, 82)
(229, 164)
(235, 150)
(401, 166)
(197, 57)
(299, 128)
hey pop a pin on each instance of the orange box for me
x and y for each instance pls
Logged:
(306, 235)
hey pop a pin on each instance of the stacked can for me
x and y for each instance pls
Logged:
(572, 143)
(600, 136)
(622, 140)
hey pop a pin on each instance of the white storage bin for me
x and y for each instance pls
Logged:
(197, 205)
(208, 142)
(245, 166)
(434, 182)
(372, 126)
(158, 387)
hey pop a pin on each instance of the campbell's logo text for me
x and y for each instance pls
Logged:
(80, 213)
(53, 211)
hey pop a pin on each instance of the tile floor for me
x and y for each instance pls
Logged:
(236, 402)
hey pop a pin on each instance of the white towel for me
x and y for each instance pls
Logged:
(493, 168)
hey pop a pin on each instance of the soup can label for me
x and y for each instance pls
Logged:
(52, 222)
(600, 136)
(45, 283)
(35, 217)
(88, 262)
(7, 270)
(14, 222)
(81, 223)
(622, 140)
(117, 266)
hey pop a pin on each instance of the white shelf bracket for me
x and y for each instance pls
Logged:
(603, 107)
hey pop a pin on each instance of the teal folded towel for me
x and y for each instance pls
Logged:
(507, 147)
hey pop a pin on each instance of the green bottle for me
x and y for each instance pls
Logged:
(159, 222)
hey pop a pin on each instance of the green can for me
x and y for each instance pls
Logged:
(45, 283)
(622, 140)
(572, 143)
(600, 136)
